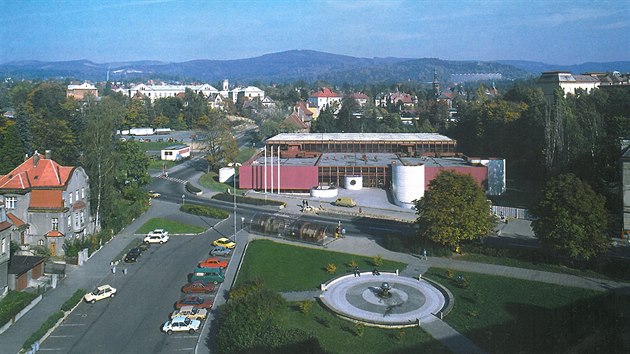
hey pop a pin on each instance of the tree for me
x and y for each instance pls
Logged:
(220, 144)
(454, 209)
(12, 149)
(571, 218)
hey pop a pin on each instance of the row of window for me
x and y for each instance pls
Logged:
(11, 202)
(79, 220)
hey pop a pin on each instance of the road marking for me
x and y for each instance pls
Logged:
(73, 324)
(53, 349)
(59, 336)
(185, 349)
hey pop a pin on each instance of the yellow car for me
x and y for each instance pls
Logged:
(153, 194)
(225, 242)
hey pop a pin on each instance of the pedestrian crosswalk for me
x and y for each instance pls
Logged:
(172, 179)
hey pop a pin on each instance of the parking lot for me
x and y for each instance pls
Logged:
(131, 322)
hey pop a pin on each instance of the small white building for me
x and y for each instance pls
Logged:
(175, 153)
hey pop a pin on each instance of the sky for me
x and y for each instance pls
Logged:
(549, 31)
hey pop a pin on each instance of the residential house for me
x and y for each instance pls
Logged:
(249, 92)
(156, 91)
(305, 112)
(216, 101)
(5, 250)
(551, 80)
(79, 92)
(405, 100)
(52, 200)
(268, 102)
(295, 124)
(360, 98)
(324, 97)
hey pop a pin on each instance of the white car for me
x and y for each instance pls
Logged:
(181, 324)
(190, 312)
(100, 293)
(157, 236)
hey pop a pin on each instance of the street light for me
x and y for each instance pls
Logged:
(235, 164)
(183, 199)
(242, 223)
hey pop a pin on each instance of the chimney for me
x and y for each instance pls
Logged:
(47, 154)
(35, 158)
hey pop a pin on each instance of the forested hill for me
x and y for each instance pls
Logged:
(278, 67)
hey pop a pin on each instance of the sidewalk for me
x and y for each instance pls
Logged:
(85, 277)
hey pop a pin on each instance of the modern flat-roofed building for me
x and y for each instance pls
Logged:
(406, 163)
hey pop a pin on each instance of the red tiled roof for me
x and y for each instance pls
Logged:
(46, 199)
(47, 173)
(294, 120)
(301, 105)
(399, 96)
(359, 96)
(15, 220)
(4, 225)
(325, 92)
(53, 233)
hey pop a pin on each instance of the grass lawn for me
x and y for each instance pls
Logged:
(292, 268)
(512, 262)
(504, 315)
(173, 227)
(211, 181)
(161, 164)
(340, 336)
(156, 145)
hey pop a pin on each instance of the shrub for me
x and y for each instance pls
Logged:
(305, 306)
(400, 335)
(377, 260)
(353, 263)
(359, 329)
(204, 211)
(191, 188)
(50, 323)
(247, 289)
(13, 303)
(71, 302)
(462, 281)
(450, 273)
(331, 268)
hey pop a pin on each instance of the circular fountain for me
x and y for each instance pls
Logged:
(384, 300)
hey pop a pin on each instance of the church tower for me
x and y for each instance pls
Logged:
(436, 84)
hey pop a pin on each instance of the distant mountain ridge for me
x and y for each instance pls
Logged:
(290, 66)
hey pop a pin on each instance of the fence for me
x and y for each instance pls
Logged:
(510, 212)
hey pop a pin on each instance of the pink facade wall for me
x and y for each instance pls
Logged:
(291, 177)
(479, 173)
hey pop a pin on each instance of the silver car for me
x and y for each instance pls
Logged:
(220, 251)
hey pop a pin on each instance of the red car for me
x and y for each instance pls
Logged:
(213, 262)
(194, 301)
(198, 287)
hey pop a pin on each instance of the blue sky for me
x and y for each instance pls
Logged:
(555, 32)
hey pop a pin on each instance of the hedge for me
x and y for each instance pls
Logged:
(50, 323)
(71, 302)
(246, 200)
(204, 211)
(191, 188)
(13, 303)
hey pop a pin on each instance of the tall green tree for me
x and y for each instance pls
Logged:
(453, 210)
(571, 218)
(12, 150)
(220, 145)
(325, 123)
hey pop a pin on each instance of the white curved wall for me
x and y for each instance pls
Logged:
(407, 184)
(225, 173)
(353, 183)
(324, 192)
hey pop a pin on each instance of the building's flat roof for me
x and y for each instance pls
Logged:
(362, 160)
(385, 137)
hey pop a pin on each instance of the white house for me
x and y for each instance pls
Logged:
(175, 152)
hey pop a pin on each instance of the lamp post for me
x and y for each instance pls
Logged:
(183, 199)
(235, 164)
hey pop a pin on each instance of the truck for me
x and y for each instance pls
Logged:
(141, 131)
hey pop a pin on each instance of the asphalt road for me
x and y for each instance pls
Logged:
(131, 322)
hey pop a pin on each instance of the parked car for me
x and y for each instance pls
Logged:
(153, 194)
(345, 202)
(198, 287)
(100, 293)
(208, 275)
(225, 242)
(220, 251)
(181, 324)
(213, 262)
(157, 236)
(191, 312)
(132, 255)
(194, 301)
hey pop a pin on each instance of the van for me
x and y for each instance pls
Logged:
(345, 202)
(207, 275)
